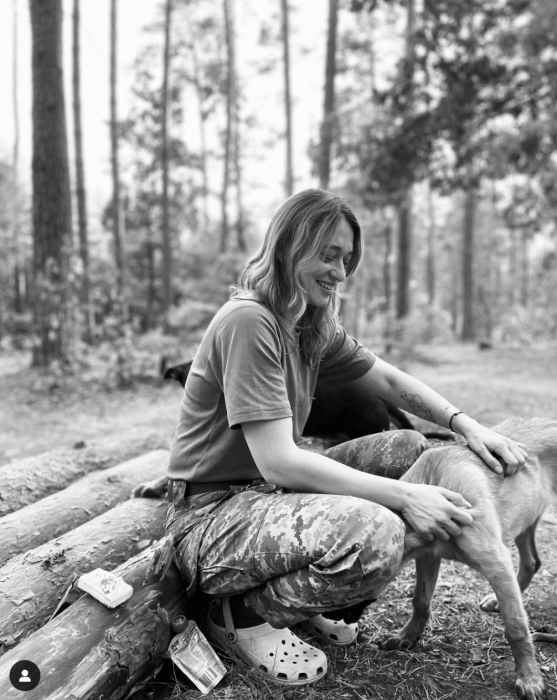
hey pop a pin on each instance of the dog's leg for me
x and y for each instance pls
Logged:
(529, 562)
(427, 570)
(150, 489)
(496, 565)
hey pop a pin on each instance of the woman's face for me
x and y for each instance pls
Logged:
(327, 269)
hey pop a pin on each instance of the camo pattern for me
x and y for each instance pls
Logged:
(388, 454)
(295, 554)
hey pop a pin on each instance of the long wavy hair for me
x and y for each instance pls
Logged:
(298, 232)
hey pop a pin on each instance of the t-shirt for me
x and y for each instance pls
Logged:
(243, 371)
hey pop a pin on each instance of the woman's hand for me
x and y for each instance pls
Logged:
(435, 512)
(486, 443)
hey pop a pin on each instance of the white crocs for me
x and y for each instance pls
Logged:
(276, 653)
(336, 632)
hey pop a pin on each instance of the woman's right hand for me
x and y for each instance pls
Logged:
(435, 512)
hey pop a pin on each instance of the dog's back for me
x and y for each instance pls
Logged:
(510, 504)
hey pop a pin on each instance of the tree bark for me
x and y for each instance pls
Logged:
(468, 296)
(166, 242)
(33, 584)
(28, 480)
(289, 176)
(90, 496)
(52, 230)
(327, 127)
(90, 651)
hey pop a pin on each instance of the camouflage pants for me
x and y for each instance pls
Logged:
(296, 554)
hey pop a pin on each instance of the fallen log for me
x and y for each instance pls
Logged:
(27, 480)
(81, 501)
(90, 652)
(33, 584)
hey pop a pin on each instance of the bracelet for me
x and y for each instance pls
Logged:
(451, 420)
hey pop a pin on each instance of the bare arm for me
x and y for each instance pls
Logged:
(414, 396)
(431, 510)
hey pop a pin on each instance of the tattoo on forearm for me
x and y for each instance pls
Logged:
(417, 405)
(445, 407)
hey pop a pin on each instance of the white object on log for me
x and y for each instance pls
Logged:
(89, 651)
(33, 584)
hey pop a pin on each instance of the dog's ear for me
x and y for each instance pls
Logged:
(170, 373)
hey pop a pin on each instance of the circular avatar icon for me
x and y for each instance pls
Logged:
(25, 675)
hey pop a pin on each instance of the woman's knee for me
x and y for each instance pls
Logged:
(388, 454)
(363, 536)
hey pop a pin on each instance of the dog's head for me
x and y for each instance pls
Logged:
(179, 372)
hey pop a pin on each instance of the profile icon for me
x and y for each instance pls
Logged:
(25, 675)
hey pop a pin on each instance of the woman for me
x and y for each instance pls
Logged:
(280, 535)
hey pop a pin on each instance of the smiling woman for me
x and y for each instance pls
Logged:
(277, 534)
(323, 274)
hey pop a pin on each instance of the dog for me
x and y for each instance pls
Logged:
(504, 509)
(344, 410)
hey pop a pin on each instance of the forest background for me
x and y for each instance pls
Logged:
(436, 120)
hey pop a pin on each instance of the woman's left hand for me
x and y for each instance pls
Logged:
(489, 445)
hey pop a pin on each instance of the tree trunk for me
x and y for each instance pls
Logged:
(90, 496)
(524, 291)
(166, 242)
(228, 136)
(90, 651)
(33, 584)
(202, 138)
(431, 245)
(80, 181)
(468, 296)
(115, 166)
(151, 280)
(387, 282)
(28, 480)
(404, 252)
(52, 228)
(289, 176)
(18, 306)
(327, 127)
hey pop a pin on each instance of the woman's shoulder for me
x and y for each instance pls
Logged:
(240, 310)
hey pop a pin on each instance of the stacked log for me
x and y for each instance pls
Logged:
(25, 481)
(65, 514)
(90, 652)
(90, 496)
(33, 584)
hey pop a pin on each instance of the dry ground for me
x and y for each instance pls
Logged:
(463, 655)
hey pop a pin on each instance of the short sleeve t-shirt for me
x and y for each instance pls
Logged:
(244, 372)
